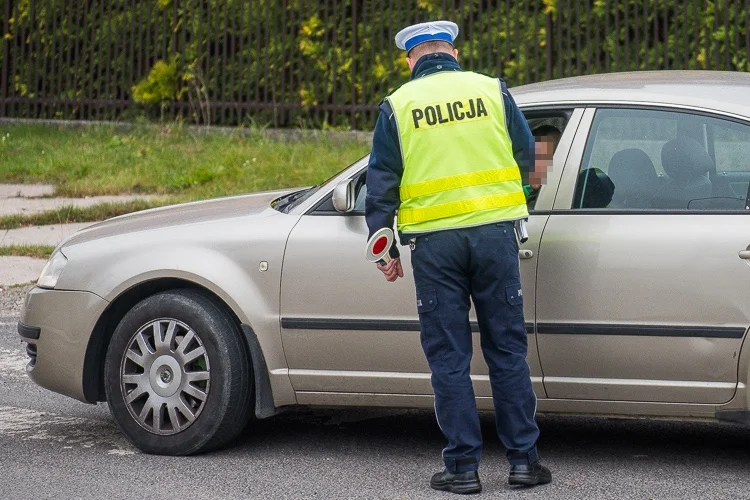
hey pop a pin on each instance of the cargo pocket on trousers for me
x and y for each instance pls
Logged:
(431, 334)
(426, 300)
(514, 297)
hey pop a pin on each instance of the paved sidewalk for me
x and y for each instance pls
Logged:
(40, 235)
(22, 270)
(19, 270)
(30, 199)
(25, 190)
(25, 199)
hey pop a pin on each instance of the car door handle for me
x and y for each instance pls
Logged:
(527, 254)
(744, 254)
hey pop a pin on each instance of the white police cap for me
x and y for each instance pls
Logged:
(411, 36)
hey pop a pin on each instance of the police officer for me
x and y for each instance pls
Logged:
(446, 154)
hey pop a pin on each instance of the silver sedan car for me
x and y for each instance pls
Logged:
(192, 319)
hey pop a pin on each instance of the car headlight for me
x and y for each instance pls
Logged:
(52, 270)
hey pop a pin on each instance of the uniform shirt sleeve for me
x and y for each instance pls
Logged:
(384, 173)
(520, 134)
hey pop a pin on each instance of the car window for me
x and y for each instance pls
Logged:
(547, 128)
(732, 150)
(359, 205)
(638, 159)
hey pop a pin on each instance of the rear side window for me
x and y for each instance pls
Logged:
(732, 151)
(638, 159)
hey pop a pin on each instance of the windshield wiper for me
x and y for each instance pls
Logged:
(286, 201)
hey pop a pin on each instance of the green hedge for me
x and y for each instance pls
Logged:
(323, 62)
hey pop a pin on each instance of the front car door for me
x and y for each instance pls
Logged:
(345, 330)
(352, 338)
(641, 294)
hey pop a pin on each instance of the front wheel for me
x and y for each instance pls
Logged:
(177, 375)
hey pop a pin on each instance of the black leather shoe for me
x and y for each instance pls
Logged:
(463, 483)
(529, 475)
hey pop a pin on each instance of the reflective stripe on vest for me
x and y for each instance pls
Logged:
(459, 168)
(460, 181)
(415, 215)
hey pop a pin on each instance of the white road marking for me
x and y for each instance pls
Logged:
(121, 452)
(69, 432)
(12, 363)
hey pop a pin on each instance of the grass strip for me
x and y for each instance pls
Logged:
(36, 251)
(70, 214)
(167, 160)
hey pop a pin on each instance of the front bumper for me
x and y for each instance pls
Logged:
(62, 322)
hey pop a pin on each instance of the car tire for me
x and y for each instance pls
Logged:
(154, 384)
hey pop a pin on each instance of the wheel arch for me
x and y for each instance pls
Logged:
(93, 369)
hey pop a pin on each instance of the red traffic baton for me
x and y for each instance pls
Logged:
(379, 246)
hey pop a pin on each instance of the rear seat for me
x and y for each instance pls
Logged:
(635, 179)
(686, 164)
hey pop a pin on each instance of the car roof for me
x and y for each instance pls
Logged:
(723, 91)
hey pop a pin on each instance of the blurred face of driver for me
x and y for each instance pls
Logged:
(544, 148)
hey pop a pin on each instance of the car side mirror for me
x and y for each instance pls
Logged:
(343, 196)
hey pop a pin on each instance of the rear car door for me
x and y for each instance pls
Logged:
(641, 291)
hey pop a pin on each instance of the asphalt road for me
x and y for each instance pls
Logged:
(55, 447)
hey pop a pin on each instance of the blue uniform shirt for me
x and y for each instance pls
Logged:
(386, 166)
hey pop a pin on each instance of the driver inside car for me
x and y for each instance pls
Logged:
(546, 138)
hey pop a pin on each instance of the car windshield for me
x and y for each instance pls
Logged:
(291, 200)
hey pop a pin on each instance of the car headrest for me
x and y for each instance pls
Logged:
(684, 159)
(594, 189)
(632, 170)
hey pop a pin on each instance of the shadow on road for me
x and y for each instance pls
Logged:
(562, 438)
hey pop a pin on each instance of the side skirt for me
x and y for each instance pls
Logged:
(624, 409)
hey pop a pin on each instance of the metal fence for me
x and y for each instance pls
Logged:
(315, 63)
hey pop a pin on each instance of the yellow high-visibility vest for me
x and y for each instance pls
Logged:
(459, 169)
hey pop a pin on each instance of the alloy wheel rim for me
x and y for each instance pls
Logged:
(165, 376)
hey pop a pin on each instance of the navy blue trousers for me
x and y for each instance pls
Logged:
(450, 268)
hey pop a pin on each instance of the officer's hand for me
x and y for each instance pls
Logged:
(392, 270)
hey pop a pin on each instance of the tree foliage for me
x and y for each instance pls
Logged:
(327, 62)
(159, 86)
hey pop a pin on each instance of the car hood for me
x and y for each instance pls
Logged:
(178, 215)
